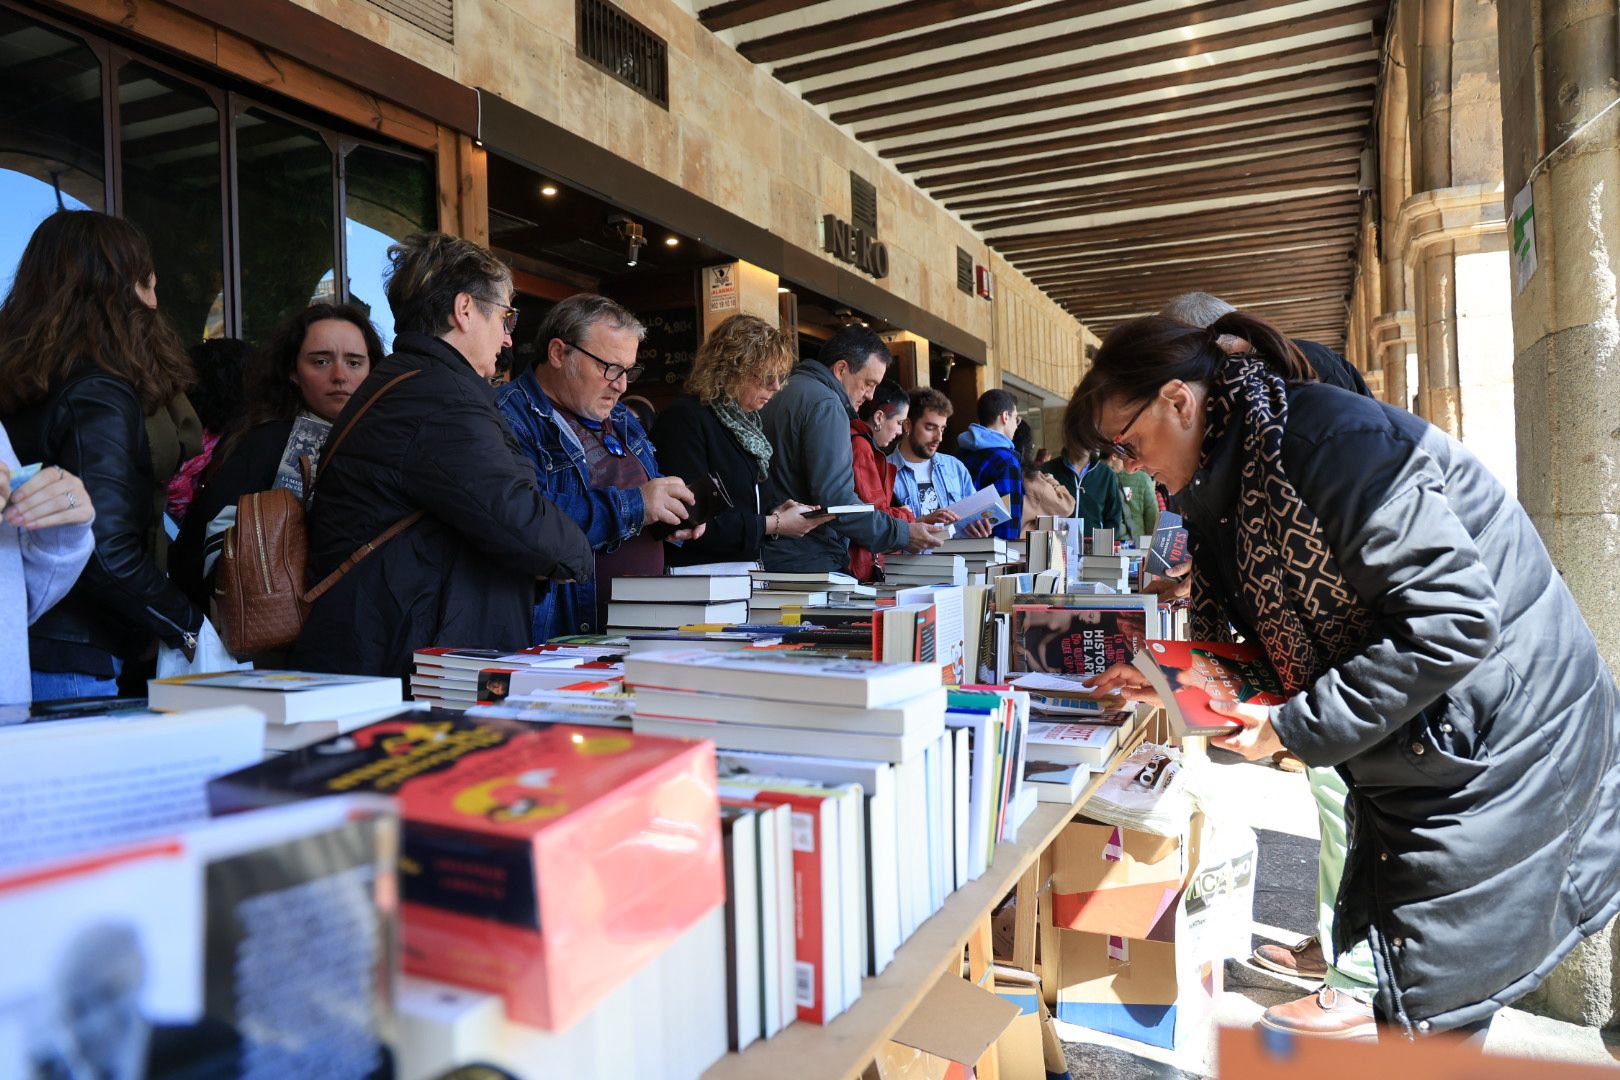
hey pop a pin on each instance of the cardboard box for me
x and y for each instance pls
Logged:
(953, 1026)
(1112, 880)
(1161, 990)
(546, 863)
(1029, 1049)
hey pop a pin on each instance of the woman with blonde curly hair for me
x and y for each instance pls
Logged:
(715, 429)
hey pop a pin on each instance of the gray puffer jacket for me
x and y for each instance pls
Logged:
(1478, 730)
(807, 424)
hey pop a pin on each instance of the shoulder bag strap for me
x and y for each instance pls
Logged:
(387, 534)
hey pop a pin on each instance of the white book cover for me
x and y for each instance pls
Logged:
(284, 697)
(924, 713)
(985, 728)
(776, 599)
(882, 836)
(72, 786)
(628, 615)
(783, 677)
(717, 569)
(740, 830)
(950, 626)
(686, 588)
(773, 578)
(911, 821)
(787, 740)
(961, 803)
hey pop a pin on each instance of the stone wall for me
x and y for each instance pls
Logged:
(740, 139)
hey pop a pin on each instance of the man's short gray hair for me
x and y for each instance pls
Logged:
(1196, 309)
(573, 318)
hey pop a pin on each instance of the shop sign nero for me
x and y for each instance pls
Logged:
(845, 242)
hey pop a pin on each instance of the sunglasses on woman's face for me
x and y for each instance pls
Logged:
(509, 315)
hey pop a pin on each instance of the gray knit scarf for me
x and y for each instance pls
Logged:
(749, 431)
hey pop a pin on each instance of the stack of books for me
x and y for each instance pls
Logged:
(299, 707)
(1090, 743)
(927, 568)
(666, 601)
(1113, 571)
(877, 785)
(779, 592)
(449, 678)
(978, 555)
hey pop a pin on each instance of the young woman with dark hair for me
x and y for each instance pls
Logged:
(1430, 650)
(296, 387)
(85, 358)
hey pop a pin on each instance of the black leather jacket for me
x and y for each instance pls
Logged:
(91, 424)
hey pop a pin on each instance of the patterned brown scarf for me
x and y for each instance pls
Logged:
(1309, 618)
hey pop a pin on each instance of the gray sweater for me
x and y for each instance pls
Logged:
(807, 424)
(37, 568)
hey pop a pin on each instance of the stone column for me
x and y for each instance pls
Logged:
(1395, 338)
(1454, 115)
(1559, 74)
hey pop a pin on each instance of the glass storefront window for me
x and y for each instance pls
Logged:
(51, 154)
(169, 134)
(388, 196)
(284, 212)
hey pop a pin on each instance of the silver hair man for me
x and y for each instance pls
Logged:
(1196, 308)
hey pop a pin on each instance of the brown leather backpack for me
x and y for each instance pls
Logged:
(259, 595)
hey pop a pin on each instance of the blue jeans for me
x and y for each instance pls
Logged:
(54, 685)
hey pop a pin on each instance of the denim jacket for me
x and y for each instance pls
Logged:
(952, 481)
(609, 516)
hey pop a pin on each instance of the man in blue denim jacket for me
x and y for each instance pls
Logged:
(590, 454)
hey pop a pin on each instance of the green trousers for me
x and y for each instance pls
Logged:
(1352, 971)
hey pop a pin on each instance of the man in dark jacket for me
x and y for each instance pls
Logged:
(986, 448)
(807, 424)
(1099, 500)
(465, 573)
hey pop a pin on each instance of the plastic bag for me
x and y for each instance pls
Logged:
(211, 656)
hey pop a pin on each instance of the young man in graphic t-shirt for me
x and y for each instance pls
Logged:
(927, 481)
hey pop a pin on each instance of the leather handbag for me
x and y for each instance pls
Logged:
(259, 595)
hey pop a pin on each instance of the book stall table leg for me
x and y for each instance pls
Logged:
(1025, 900)
(981, 954)
(1048, 935)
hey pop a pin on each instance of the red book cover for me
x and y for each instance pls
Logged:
(815, 904)
(545, 862)
(1074, 641)
(1190, 674)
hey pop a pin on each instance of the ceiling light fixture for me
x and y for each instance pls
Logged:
(548, 190)
(672, 241)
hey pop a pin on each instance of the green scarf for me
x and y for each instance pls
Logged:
(749, 431)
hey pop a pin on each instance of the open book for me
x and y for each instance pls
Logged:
(985, 503)
(1190, 674)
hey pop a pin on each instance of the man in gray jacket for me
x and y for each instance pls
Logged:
(807, 424)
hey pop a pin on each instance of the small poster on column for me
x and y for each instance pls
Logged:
(1524, 240)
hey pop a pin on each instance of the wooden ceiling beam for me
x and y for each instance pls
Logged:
(1335, 75)
(1298, 109)
(879, 22)
(1091, 37)
(1356, 46)
(1234, 280)
(739, 12)
(1185, 248)
(1261, 299)
(1318, 176)
(1214, 262)
(1302, 134)
(1271, 163)
(1277, 34)
(1232, 219)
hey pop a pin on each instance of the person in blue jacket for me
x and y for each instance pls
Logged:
(987, 450)
(591, 455)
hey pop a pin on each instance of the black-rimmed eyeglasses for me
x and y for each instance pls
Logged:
(1120, 446)
(610, 371)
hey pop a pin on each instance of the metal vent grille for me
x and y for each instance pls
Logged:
(964, 271)
(862, 205)
(613, 41)
(437, 17)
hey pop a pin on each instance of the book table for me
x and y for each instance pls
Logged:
(842, 1049)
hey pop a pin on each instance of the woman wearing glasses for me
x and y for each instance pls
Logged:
(714, 429)
(1428, 648)
(426, 501)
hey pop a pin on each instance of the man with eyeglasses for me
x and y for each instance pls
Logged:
(590, 454)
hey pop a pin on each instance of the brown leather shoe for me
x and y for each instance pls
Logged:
(1303, 961)
(1327, 1014)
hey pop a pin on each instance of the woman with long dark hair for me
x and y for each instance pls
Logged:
(296, 386)
(85, 358)
(1429, 649)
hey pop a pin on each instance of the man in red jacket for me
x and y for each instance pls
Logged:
(870, 434)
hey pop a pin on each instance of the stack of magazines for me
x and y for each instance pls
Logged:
(1147, 792)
